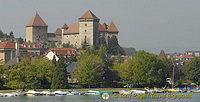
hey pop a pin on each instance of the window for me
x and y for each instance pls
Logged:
(85, 30)
(85, 24)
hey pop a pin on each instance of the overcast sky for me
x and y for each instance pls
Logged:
(172, 25)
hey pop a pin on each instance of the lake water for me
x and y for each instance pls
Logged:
(76, 98)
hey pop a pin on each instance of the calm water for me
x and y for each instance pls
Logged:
(195, 98)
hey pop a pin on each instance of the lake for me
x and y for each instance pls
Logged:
(76, 98)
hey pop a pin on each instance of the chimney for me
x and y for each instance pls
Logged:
(17, 48)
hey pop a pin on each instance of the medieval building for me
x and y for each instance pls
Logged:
(88, 30)
(36, 30)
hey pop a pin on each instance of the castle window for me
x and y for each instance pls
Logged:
(85, 30)
(85, 24)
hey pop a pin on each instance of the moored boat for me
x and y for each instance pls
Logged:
(32, 93)
(93, 92)
(173, 90)
(124, 92)
(197, 91)
(139, 91)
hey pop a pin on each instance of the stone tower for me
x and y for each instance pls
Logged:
(88, 29)
(36, 30)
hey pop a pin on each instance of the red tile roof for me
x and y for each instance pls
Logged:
(112, 27)
(7, 45)
(89, 14)
(64, 51)
(58, 31)
(65, 26)
(162, 54)
(185, 56)
(73, 28)
(36, 21)
(102, 28)
(29, 45)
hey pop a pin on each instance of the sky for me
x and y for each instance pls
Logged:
(151, 25)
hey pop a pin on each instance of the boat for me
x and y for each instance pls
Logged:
(47, 93)
(197, 91)
(60, 93)
(93, 92)
(139, 91)
(32, 93)
(124, 92)
(174, 90)
(9, 95)
(76, 93)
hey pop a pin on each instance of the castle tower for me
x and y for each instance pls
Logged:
(36, 30)
(88, 28)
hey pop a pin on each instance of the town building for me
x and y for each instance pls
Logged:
(193, 53)
(7, 51)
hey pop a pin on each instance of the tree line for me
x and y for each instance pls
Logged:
(95, 68)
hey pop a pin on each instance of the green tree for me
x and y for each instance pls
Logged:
(11, 35)
(29, 74)
(125, 71)
(192, 71)
(144, 69)
(59, 80)
(114, 47)
(89, 70)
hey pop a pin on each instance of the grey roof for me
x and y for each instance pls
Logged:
(71, 67)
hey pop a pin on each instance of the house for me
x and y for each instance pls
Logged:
(193, 53)
(8, 51)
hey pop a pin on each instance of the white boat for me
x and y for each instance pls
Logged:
(32, 93)
(60, 93)
(8, 95)
(139, 91)
(47, 93)
(93, 92)
(124, 92)
(76, 92)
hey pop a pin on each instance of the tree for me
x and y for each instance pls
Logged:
(29, 74)
(144, 69)
(192, 71)
(59, 80)
(114, 47)
(11, 35)
(125, 71)
(89, 70)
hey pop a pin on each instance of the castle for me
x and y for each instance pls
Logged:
(88, 30)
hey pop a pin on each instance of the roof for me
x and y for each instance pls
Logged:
(65, 26)
(185, 56)
(58, 31)
(7, 45)
(162, 54)
(89, 15)
(112, 27)
(73, 28)
(102, 28)
(36, 21)
(63, 51)
(29, 45)
(70, 67)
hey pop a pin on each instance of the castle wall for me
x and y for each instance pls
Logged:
(72, 39)
(36, 34)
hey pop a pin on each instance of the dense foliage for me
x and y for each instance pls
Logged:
(192, 71)
(144, 69)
